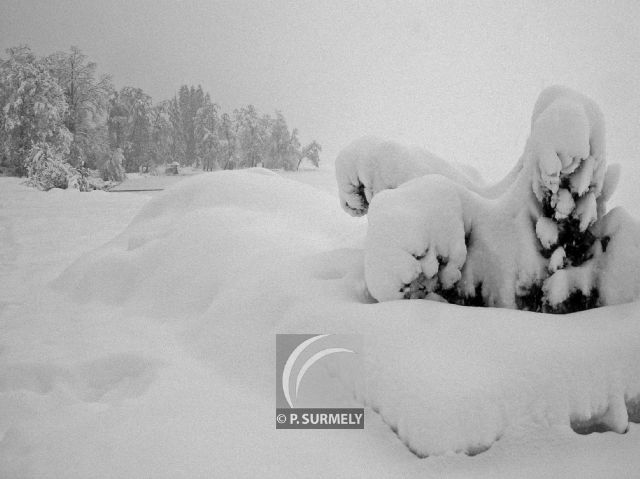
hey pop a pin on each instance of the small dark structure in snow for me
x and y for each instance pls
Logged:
(172, 168)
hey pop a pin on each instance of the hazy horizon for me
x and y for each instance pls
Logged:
(458, 78)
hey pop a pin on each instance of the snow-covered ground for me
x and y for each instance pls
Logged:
(137, 340)
(150, 183)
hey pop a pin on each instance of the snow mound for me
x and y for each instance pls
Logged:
(186, 244)
(465, 378)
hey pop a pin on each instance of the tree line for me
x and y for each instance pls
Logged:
(58, 117)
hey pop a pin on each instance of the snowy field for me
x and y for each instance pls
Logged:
(151, 183)
(137, 340)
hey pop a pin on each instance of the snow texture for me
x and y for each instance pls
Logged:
(557, 260)
(212, 210)
(370, 165)
(547, 232)
(400, 244)
(154, 355)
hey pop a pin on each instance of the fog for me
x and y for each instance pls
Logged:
(459, 78)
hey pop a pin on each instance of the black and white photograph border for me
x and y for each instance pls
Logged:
(310, 239)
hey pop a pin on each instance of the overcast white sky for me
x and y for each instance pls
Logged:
(459, 78)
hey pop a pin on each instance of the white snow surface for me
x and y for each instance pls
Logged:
(547, 231)
(153, 354)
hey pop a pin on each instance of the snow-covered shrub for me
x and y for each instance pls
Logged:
(534, 241)
(47, 169)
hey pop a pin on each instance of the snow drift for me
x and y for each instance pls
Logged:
(184, 246)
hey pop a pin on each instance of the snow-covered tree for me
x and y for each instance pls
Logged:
(177, 142)
(228, 142)
(163, 136)
(87, 97)
(279, 151)
(252, 136)
(539, 240)
(190, 100)
(312, 153)
(206, 125)
(113, 169)
(47, 169)
(130, 126)
(292, 158)
(283, 148)
(33, 109)
(61, 101)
